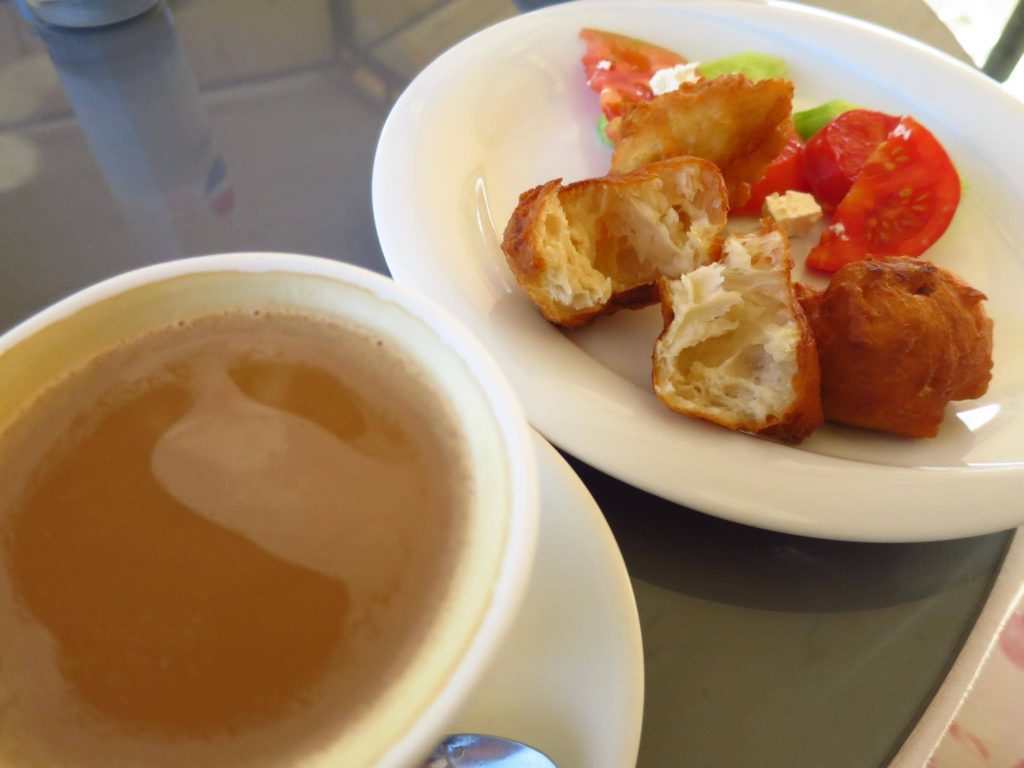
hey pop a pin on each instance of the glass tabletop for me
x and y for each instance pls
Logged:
(204, 127)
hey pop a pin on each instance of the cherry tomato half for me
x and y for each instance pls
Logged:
(785, 173)
(836, 153)
(901, 203)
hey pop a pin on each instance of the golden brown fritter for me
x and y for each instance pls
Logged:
(898, 338)
(739, 125)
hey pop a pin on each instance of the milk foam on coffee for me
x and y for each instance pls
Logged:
(220, 541)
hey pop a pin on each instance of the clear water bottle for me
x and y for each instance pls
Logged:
(139, 106)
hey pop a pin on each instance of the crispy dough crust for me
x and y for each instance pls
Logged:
(899, 338)
(739, 125)
(805, 415)
(543, 265)
(804, 412)
(524, 247)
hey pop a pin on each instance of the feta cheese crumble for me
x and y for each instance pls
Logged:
(670, 78)
(839, 230)
(795, 212)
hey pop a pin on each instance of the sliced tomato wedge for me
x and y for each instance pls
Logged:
(784, 174)
(836, 154)
(619, 68)
(900, 204)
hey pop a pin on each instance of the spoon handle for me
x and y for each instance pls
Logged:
(471, 750)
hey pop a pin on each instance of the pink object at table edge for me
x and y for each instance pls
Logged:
(977, 716)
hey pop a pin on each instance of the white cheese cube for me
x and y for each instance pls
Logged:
(795, 212)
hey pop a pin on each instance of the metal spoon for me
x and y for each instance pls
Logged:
(472, 750)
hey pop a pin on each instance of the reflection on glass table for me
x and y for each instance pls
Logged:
(229, 125)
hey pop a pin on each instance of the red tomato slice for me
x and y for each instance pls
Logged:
(622, 67)
(901, 203)
(785, 173)
(836, 153)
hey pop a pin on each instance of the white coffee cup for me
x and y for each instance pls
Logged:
(491, 571)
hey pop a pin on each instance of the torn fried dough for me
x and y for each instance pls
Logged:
(737, 124)
(736, 349)
(599, 245)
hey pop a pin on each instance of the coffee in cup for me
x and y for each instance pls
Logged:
(225, 538)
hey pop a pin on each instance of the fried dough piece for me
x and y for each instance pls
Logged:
(599, 245)
(736, 349)
(898, 338)
(739, 125)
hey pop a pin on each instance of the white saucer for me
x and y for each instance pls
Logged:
(569, 679)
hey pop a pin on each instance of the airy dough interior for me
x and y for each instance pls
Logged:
(613, 237)
(571, 278)
(730, 350)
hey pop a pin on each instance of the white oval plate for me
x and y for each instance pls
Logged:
(569, 678)
(508, 109)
